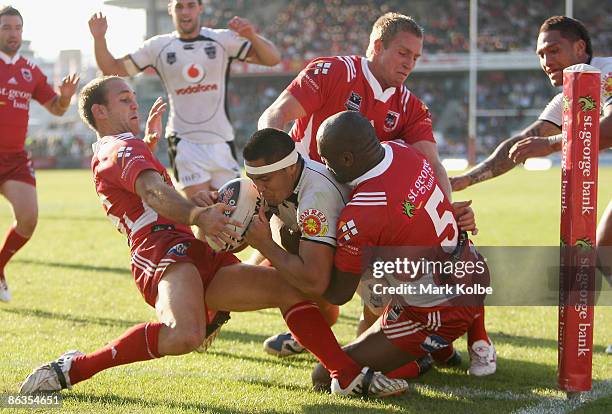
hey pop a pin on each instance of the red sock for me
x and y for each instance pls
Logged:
(139, 343)
(311, 330)
(13, 241)
(410, 370)
(477, 330)
(443, 354)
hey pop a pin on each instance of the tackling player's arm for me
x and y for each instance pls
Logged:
(499, 162)
(308, 271)
(285, 109)
(167, 202)
(107, 63)
(543, 146)
(342, 286)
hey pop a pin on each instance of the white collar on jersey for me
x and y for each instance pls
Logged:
(9, 60)
(379, 94)
(380, 168)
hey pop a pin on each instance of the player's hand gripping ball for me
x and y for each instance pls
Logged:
(242, 194)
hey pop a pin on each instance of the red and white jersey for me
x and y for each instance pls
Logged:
(20, 81)
(334, 84)
(397, 203)
(117, 162)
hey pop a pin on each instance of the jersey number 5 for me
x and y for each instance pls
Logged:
(441, 222)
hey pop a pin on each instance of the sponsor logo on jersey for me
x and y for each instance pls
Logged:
(434, 343)
(391, 121)
(322, 67)
(12, 81)
(171, 58)
(27, 74)
(313, 222)
(353, 103)
(423, 184)
(193, 73)
(179, 249)
(211, 50)
(188, 46)
(347, 230)
(203, 87)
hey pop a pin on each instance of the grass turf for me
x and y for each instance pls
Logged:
(72, 289)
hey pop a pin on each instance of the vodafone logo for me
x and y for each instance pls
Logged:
(193, 73)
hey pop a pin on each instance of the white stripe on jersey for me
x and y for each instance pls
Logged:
(351, 72)
(405, 97)
(370, 203)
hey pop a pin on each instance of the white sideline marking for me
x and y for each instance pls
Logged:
(466, 392)
(546, 405)
(561, 405)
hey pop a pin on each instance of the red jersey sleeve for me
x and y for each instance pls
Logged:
(121, 162)
(43, 92)
(316, 81)
(418, 125)
(355, 234)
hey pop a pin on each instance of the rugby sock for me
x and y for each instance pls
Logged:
(410, 370)
(310, 329)
(477, 331)
(13, 241)
(139, 343)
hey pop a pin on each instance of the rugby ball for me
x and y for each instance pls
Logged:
(242, 194)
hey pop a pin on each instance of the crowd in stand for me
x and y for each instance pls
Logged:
(304, 29)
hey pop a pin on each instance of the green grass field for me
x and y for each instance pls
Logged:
(72, 289)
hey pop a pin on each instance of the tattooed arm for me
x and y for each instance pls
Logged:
(499, 162)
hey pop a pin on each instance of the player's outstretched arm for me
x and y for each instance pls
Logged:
(167, 202)
(105, 60)
(263, 51)
(286, 108)
(499, 162)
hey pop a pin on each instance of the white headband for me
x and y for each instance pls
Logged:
(278, 165)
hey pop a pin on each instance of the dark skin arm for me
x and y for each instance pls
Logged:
(342, 287)
(499, 162)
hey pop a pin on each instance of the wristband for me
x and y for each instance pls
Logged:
(554, 140)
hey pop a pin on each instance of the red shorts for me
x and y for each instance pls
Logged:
(16, 166)
(163, 248)
(419, 331)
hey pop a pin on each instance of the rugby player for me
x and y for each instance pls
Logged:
(374, 86)
(193, 64)
(177, 274)
(21, 81)
(383, 178)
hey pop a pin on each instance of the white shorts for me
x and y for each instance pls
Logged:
(194, 164)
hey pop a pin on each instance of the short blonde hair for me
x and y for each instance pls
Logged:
(390, 24)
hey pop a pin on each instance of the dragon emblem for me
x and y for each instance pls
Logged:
(587, 103)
